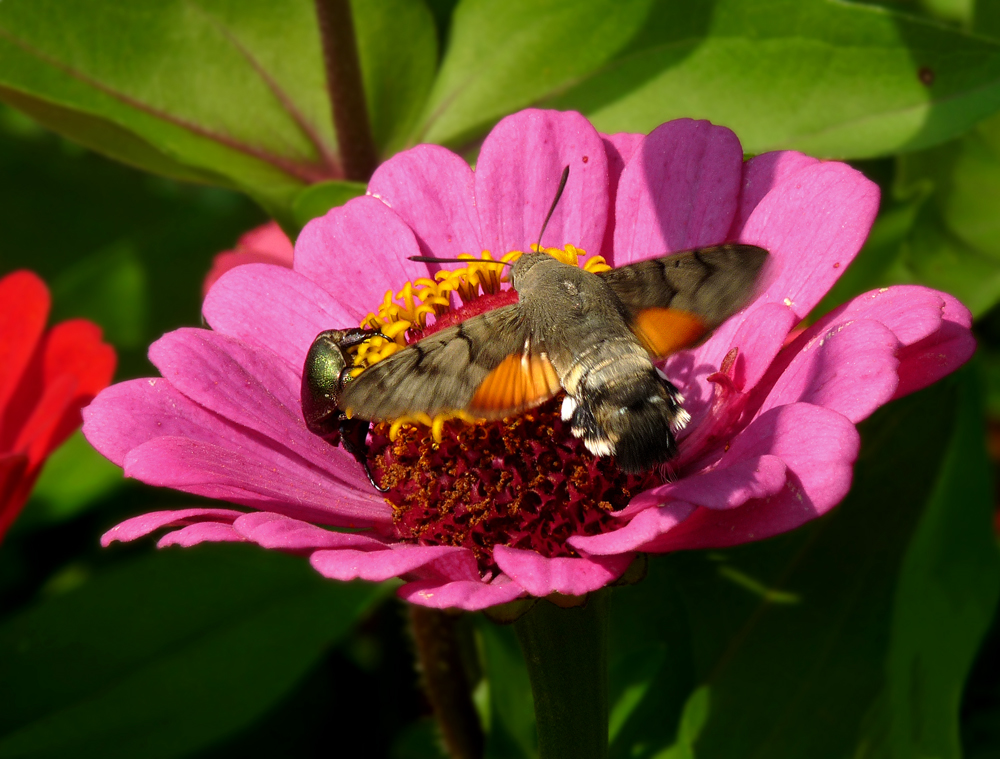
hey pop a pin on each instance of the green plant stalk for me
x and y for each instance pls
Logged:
(355, 141)
(566, 650)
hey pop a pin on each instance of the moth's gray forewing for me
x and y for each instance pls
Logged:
(712, 283)
(439, 373)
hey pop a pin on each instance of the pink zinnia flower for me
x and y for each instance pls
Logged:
(46, 377)
(771, 444)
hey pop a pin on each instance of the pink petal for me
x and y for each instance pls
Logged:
(268, 239)
(140, 526)
(818, 446)
(248, 386)
(273, 308)
(849, 368)
(433, 191)
(518, 173)
(357, 252)
(733, 482)
(288, 488)
(540, 575)
(376, 566)
(955, 311)
(641, 530)
(759, 338)
(276, 531)
(206, 532)
(470, 595)
(932, 326)
(225, 262)
(678, 192)
(757, 334)
(910, 311)
(813, 226)
(267, 244)
(930, 359)
(126, 415)
(460, 565)
(761, 174)
(619, 148)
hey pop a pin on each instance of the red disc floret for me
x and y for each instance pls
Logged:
(523, 482)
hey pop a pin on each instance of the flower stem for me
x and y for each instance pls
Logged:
(566, 650)
(439, 652)
(346, 89)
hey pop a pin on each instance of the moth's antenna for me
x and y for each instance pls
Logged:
(436, 260)
(538, 245)
(552, 208)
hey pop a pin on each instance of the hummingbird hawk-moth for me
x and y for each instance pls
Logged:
(593, 336)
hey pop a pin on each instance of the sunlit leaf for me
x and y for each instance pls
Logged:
(219, 91)
(397, 44)
(830, 78)
(317, 199)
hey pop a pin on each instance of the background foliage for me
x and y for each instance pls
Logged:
(868, 633)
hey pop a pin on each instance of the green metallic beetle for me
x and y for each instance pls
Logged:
(325, 375)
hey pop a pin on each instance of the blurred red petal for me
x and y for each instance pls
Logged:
(45, 380)
(13, 490)
(25, 308)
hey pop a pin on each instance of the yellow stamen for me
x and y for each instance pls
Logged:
(400, 315)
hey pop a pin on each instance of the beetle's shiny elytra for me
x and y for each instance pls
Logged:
(325, 375)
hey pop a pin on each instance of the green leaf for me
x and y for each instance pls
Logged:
(421, 740)
(986, 18)
(944, 599)
(442, 11)
(219, 91)
(506, 54)
(942, 228)
(955, 11)
(851, 636)
(166, 653)
(319, 198)
(122, 248)
(954, 244)
(693, 719)
(831, 78)
(989, 357)
(109, 287)
(75, 477)
(511, 733)
(397, 45)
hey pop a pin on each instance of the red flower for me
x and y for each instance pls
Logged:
(46, 377)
